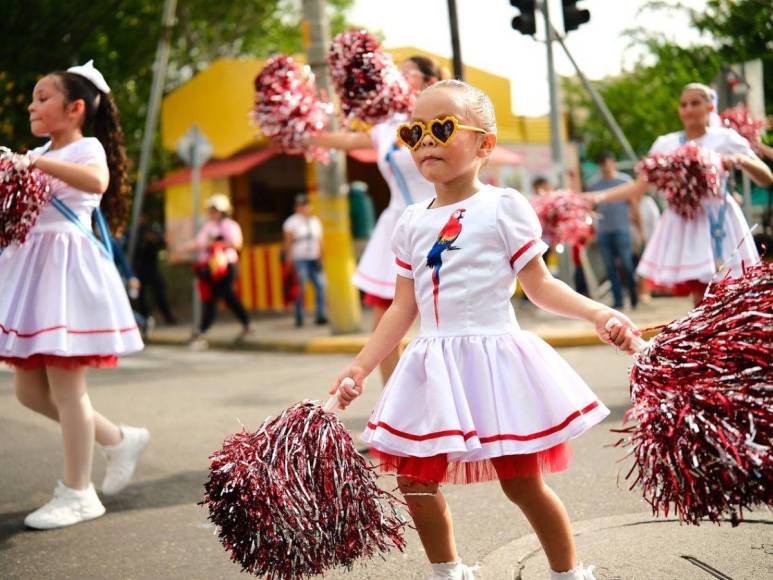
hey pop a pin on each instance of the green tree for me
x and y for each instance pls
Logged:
(39, 36)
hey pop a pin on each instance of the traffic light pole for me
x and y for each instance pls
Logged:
(330, 181)
(599, 101)
(555, 113)
(453, 22)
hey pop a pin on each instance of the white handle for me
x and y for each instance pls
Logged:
(637, 342)
(332, 404)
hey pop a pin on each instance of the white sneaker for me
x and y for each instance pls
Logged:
(453, 571)
(68, 507)
(579, 573)
(122, 458)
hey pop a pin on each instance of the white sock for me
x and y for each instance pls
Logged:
(578, 573)
(449, 570)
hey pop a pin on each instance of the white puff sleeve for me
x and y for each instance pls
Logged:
(733, 143)
(88, 151)
(519, 229)
(401, 244)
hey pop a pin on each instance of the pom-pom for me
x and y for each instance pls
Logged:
(294, 498)
(566, 217)
(287, 108)
(368, 83)
(748, 127)
(686, 176)
(24, 192)
(703, 405)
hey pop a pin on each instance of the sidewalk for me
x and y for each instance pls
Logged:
(278, 333)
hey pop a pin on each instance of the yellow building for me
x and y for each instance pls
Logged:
(262, 182)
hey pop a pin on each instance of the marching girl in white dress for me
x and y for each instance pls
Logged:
(376, 271)
(682, 256)
(63, 307)
(474, 397)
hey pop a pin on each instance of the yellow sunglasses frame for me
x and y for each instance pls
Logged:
(427, 130)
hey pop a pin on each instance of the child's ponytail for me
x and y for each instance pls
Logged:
(107, 128)
(103, 122)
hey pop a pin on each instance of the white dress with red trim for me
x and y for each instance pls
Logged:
(680, 251)
(60, 295)
(473, 385)
(376, 270)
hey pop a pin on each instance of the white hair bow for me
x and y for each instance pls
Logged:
(89, 71)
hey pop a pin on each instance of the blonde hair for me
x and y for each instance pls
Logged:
(479, 102)
(706, 92)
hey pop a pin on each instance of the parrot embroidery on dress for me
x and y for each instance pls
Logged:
(444, 242)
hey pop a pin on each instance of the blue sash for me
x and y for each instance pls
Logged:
(104, 232)
(716, 219)
(399, 177)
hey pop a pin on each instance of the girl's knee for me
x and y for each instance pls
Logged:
(27, 397)
(411, 487)
(523, 489)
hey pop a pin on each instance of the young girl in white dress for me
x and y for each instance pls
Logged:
(63, 307)
(474, 397)
(682, 256)
(376, 271)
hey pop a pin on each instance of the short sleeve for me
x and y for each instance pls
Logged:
(733, 143)
(287, 226)
(519, 229)
(661, 145)
(401, 245)
(89, 151)
(232, 232)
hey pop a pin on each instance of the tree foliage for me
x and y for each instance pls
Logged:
(644, 99)
(40, 36)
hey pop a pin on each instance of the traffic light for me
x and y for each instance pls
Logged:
(573, 16)
(526, 22)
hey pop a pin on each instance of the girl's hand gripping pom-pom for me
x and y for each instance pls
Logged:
(617, 329)
(24, 192)
(348, 386)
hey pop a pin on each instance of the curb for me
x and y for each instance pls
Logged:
(352, 344)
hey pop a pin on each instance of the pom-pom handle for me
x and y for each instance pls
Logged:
(332, 403)
(637, 342)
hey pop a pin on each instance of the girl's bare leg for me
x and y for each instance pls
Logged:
(432, 518)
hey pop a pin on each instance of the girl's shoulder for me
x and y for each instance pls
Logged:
(86, 151)
(667, 142)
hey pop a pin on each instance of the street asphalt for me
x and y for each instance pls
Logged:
(191, 400)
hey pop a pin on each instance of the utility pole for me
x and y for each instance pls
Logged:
(343, 297)
(455, 44)
(151, 119)
(555, 113)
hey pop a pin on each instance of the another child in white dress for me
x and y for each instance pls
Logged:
(63, 307)
(683, 256)
(474, 397)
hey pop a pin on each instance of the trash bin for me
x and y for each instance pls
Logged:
(361, 212)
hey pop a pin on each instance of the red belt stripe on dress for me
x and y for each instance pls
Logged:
(487, 439)
(62, 326)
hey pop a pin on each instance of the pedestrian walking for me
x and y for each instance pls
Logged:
(62, 305)
(218, 243)
(613, 231)
(684, 255)
(376, 271)
(474, 398)
(649, 213)
(150, 242)
(303, 246)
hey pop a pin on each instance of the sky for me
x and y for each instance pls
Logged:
(600, 47)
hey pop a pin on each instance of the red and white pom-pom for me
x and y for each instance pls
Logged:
(295, 499)
(369, 85)
(287, 108)
(738, 118)
(701, 392)
(566, 217)
(23, 194)
(686, 176)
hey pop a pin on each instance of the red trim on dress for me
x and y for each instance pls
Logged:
(63, 326)
(65, 362)
(488, 438)
(520, 252)
(402, 264)
(437, 469)
(376, 301)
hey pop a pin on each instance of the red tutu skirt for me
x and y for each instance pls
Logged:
(437, 469)
(376, 301)
(64, 362)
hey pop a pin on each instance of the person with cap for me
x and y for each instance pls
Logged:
(613, 230)
(303, 246)
(218, 243)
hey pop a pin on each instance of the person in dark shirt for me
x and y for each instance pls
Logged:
(150, 242)
(613, 231)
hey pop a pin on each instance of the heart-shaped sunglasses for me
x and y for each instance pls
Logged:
(441, 130)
